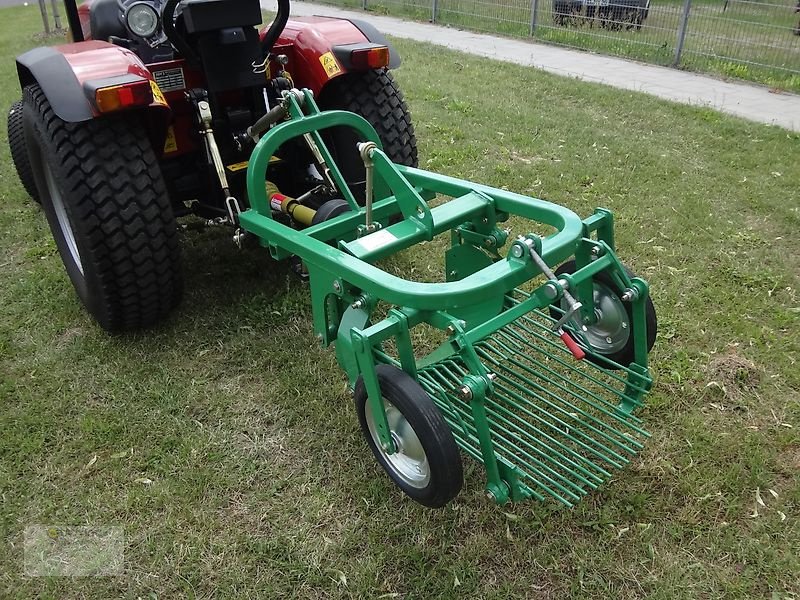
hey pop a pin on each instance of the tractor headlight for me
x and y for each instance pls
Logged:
(142, 19)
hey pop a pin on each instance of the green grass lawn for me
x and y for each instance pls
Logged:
(225, 442)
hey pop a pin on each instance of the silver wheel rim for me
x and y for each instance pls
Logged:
(61, 216)
(408, 463)
(611, 330)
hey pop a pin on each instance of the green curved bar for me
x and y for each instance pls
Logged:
(493, 280)
(278, 135)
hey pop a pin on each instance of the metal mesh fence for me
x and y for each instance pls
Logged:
(749, 39)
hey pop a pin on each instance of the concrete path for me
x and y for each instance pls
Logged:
(743, 100)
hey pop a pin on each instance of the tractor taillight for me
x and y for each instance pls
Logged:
(118, 97)
(370, 58)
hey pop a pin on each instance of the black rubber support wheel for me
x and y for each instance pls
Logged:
(427, 464)
(329, 210)
(108, 209)
(611, 336)
(19, 152)
(375, 96)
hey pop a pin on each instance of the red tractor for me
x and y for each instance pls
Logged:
(151, 112)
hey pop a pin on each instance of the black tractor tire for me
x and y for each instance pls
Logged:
(624, 356)
(420, 417)
(375, 96)
(109, 212)
(19, 152)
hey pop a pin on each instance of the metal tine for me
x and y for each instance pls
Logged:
(495, 410)
(580, 461)
(501, 451)
(507, 332)
(562, 409)
(611, 410)
(562, 350)
(584, 445)
(544, 476)
(577, 430)
(467, 427)
(613, 413)
(461, 371)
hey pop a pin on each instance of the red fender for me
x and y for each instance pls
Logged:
(69, 73)
(308, 42)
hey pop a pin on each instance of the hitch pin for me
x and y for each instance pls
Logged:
(573, 304)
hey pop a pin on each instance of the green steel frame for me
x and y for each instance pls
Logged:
(542, 423)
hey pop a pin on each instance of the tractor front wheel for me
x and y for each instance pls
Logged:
(105, 200)
(19, 153)
(375, 96)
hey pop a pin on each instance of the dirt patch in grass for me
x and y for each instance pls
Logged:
(733, 375)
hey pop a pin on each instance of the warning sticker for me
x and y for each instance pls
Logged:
(170, 144)
(330, 64)
(376, 240)
(158, 96)
(243, 165)
(237, 166)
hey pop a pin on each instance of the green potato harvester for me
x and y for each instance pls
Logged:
(536, 374)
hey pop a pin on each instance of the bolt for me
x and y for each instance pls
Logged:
(358, 303)
(595, 250)
(517, 251)
(337, 287)
(609, 340)
(451, 330)
(624, 325)
(629, 294)
(485, 221)
(491, 376)
(420, 211)
(489, 242)
(465, 392)
(550, 291)
(490, 495)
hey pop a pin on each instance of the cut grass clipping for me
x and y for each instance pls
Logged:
(225, 444)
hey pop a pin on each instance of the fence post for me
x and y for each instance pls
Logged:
(534, 11)
(45, 20)
(687, 5)
(364, 4)
(56, 16)
(434, 10)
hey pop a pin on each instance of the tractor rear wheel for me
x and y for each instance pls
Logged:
(105, 200)
(375, 96)
(19, 153)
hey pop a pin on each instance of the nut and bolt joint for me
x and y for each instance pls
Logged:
(465, 392)
(337, 287)
(630, 294)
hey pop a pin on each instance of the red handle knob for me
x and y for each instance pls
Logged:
(572, 345)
